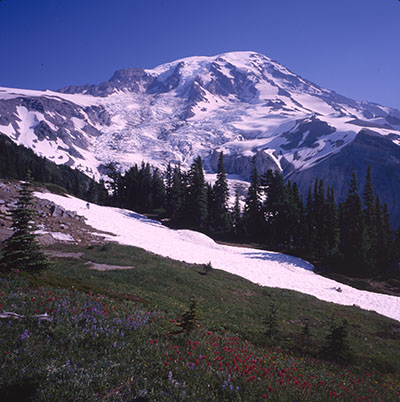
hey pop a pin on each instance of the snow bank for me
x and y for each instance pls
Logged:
(262, 267)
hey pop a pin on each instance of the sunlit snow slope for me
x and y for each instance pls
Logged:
(263, 267)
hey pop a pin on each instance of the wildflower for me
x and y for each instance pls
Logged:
(24, 335)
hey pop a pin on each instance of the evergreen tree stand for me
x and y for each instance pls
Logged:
(22, 251)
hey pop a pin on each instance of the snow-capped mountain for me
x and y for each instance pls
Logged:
(241, 103)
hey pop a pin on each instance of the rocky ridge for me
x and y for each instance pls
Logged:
(56, 225)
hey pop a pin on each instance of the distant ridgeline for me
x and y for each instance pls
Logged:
(17, 160)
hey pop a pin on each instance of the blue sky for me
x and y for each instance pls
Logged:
(350, 46)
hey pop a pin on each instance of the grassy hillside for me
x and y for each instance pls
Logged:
(114, 336)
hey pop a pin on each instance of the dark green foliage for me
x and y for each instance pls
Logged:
(189, 318)
(16, 161)
(354, 244)
(175, 192)
(207, 268)
(322, 223)
(140, 189)
(195, 203)
(221, 217)
(253, 218)
(280, 211)
(337, 346)
(385, 252)
(369, 208)
(157, 190)
(396, 247)
(21, 250)
(332, 222)
(237, 219)
(298, 233)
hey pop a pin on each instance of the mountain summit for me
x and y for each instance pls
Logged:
(241, 103)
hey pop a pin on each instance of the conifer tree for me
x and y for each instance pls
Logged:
(22, 250)
(169, 180)
(337, 347)
(189, 319)
(157, 191)
(384, 248)
(91, 194)
(237, 221)
(297, 216)
(354, 239)
(332, 221)
(277, 210)
(388, 242)
(320, 211)
(370, 217)
(177, 194)
(253, 216)
(211, 208)
(144, 186)
(195, 214)
(128, 192)
(369, 203)
(115, 184)
(396, 248)
(310, 232)
(102, 193)
(222, 221)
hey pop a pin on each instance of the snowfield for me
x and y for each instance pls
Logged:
(262, 267)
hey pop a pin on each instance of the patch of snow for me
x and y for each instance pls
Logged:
(263, 267)
(79, 99)
(58, 235)
(8, 130)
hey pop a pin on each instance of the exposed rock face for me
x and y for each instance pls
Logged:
(53, 127)
(127, 79)
(243, 164)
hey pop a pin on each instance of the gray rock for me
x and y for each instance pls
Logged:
(46, 239)
(72, 214)
(57, 210)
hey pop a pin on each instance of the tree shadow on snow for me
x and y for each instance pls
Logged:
(282, 258)
(140, 218)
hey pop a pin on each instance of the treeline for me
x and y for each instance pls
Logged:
(183, 197)
(354, 236)
(16, 161)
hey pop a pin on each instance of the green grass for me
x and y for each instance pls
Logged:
(113, 337)
(228, 302)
